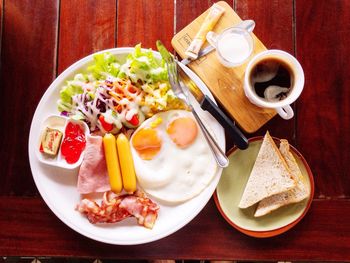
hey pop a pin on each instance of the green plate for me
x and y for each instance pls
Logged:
(232, 184)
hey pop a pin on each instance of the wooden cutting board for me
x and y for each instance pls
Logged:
(226, 84)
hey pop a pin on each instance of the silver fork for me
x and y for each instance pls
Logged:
(171, 64)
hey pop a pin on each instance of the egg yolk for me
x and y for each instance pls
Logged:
(147, 143)
(182, 131)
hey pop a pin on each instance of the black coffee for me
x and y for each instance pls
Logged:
(273, 74)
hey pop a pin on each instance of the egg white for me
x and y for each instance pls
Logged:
(175, 174)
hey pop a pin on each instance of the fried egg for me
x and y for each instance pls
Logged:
(172, 159)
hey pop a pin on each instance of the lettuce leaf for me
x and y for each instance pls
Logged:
(104, 64)
(73, 87)
(142, 65)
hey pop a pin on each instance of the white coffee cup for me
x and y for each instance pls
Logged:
(282, 107)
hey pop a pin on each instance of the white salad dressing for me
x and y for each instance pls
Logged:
(113, 93)
(91, 111)
(124, 101)
(130, 113)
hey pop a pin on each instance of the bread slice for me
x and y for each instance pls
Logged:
(297, 194)
(270, 175)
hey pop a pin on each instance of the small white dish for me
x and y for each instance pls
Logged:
(60, 123)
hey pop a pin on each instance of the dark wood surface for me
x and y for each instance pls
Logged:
(324, 108)
(208, 236)
(39, 39)
(98, 24)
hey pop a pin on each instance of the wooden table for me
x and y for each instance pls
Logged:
(40, 38)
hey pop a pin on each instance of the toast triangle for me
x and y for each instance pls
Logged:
(297, 194)
(270, 175)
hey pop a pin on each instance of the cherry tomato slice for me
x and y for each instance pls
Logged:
(106, 126)
(134, 120)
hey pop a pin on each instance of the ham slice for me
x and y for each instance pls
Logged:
(93, 175)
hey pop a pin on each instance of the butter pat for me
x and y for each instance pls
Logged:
(51, 141)
(210, 21)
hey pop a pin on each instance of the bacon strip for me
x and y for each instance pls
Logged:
(115, 208)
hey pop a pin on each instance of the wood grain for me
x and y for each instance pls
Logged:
(1, 22)
(187, 11)
(84, 30)
(29, 52)
(145, 22)
(274, 27)
(226, 84)
(274, 21)
(208, 236)
(324, 108)
(27, 68)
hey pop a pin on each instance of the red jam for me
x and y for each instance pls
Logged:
(73, 143)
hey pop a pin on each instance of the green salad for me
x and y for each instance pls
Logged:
(112, 95)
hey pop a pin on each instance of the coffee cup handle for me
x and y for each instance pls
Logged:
(285, 112)
(212, 38)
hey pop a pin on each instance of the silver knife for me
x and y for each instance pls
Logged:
(207, 104)
(246, 24)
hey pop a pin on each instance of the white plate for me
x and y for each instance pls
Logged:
(58, 186)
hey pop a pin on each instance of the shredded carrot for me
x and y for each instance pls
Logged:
(115, 95)
(117, 85)
(118, 108)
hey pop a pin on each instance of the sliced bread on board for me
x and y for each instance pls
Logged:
(270, 175)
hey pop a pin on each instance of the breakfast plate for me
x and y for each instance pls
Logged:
(58, 187)
(231, 186)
